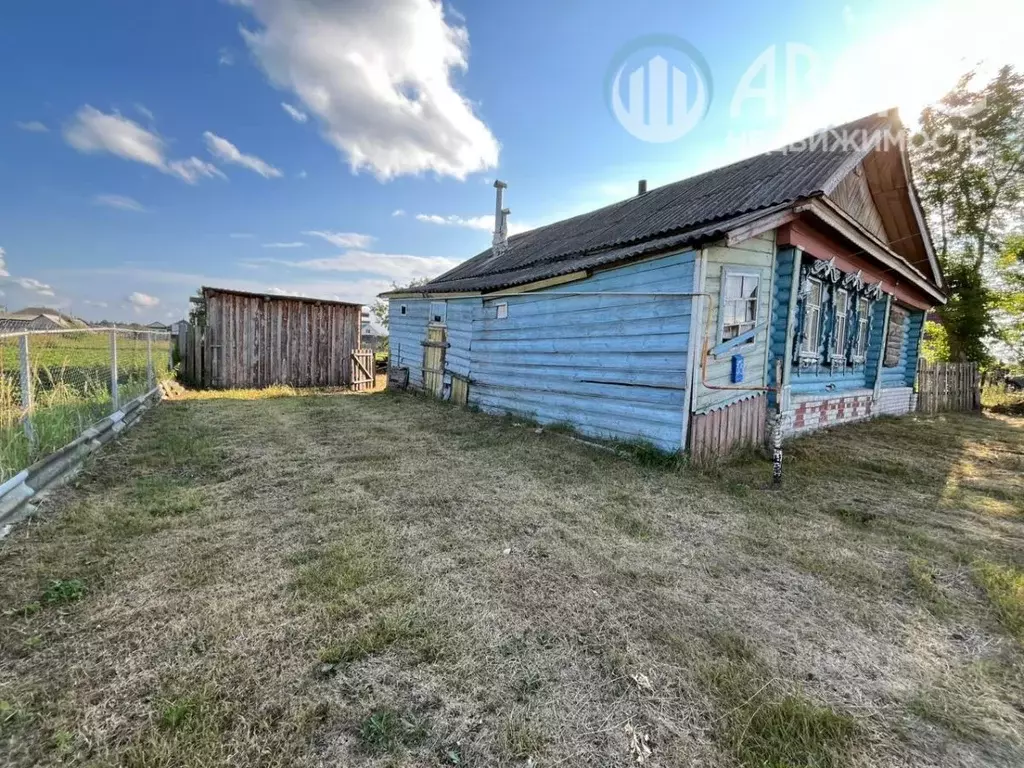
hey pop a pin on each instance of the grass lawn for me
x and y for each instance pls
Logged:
(388, 581)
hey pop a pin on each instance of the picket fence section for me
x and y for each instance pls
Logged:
(948, 387)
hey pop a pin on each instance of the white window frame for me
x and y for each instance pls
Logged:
(744, 325)
(860, 347)
(501, 310)
(811, 343)
(840, 323)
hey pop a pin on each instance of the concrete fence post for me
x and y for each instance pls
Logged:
(149, 360)
(26, 391)
(115, 398)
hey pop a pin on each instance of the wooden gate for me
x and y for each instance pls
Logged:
(948, 387)
(362, 370)
(433, 359)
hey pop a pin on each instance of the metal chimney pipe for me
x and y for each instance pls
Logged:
(641, 188)
(500, 214)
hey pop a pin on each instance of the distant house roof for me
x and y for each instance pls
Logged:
(28, 321)
(698, 209)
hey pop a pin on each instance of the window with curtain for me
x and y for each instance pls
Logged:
(739, 304)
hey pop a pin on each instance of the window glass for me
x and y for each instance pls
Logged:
(842, 301)
(739, 304)
(863, 319)
(501, 310)
(812, 319)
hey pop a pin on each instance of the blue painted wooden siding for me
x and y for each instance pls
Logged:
(460, 335)
(612, 366)
(915, 331)
(897, 375)
(755, 256)
(405, 333)
(875, 342)
(780, 319)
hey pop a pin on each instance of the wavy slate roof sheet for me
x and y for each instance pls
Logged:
(683, 213)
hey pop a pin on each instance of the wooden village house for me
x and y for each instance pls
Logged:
(795, 280)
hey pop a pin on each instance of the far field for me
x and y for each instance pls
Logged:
(384, 580)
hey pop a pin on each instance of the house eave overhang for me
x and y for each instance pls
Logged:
(836, 218)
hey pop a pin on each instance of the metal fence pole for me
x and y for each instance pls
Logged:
(114, 395)
(149, 360)
(26, 392)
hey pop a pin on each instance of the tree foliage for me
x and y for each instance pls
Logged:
(969, 164)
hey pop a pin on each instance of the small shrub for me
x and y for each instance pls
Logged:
(64, 591)
(385, 730)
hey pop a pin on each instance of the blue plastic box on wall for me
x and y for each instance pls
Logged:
(737, 369)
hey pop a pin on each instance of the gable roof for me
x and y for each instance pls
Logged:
(687, 212)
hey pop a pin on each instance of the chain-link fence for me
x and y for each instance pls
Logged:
(53, 384)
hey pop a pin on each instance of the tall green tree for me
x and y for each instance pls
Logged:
(969, 165)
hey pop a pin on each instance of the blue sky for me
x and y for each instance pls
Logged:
(330, 147)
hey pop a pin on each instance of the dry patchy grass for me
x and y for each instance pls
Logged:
(389, 581)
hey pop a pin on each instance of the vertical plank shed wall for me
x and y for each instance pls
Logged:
(253, 341)
(755, 256)
(610, 365)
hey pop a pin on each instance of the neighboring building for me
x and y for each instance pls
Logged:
(161, 327)
(370, 334)
(11, 322)
(665, 317)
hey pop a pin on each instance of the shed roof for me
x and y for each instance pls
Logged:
(700, 208)
(206, 290)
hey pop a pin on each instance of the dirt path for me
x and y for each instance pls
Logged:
(383, 580)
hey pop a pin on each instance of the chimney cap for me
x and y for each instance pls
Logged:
(499, 184)
(641, 187)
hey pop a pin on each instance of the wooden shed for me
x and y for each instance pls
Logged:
(244, 339)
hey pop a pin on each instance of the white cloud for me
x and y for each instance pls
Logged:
(229, 153)
(343, 239)
(28, 283)
(193, 169)
(142, 301)
(398, 212)
(849, 17)
(296, 114)
(225, 57)
(481, 223)
(31, 284)
(379, 77)
(143, 110)
(285, 245)
(33, 126)
(400, 268)
(302, 174)
(92, 131)
(92, 303)
(484, 223)
(121, 202)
